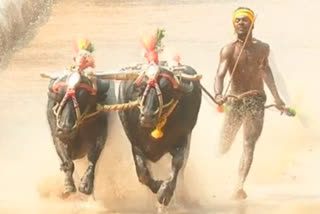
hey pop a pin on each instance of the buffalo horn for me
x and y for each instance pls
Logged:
(186, 87)
(195, 77)
(48, 75)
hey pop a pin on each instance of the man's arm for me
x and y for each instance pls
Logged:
(269, 80)
(224, 64)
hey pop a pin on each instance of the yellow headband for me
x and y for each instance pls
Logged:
(243, 12)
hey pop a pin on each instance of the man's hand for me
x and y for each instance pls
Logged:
(219, 99)
(279, 102)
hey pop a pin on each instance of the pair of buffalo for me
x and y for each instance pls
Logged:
(167, 105)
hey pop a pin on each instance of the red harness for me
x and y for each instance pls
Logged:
(153, 81)
(57, 86)
(174, 83)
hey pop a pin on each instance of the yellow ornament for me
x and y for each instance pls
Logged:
(157, 133)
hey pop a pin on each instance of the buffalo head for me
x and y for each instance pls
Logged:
(74, 96)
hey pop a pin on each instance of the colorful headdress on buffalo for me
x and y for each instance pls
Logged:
(84, 49)
(153, 46)
(243, 12)
(83, 44)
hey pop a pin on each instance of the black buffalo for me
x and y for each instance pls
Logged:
(169, 102)
(76, 127)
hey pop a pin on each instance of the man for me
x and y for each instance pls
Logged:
(246, 60)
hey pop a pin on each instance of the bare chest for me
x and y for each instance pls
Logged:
(250, 59)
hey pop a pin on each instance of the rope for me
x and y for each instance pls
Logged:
(116, 107)
(208, 93)
(157, 132)
(238, 97)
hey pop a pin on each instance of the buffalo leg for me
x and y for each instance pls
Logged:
(67, 166)
(87, 180)
(167, 188)
(143, 171)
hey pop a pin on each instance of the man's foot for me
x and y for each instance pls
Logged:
(240, 194)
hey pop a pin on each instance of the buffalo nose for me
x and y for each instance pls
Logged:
(147, 121)
(59, 131)
(146, 117)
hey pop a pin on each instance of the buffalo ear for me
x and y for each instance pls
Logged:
(55, 96)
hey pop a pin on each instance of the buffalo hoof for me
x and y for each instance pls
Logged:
(155, 186)
(86, 185)
(162, 209)
(165, 192)
(69, 189)
(239, 195)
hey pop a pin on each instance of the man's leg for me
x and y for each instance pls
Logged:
(252, 129)
(232, 123)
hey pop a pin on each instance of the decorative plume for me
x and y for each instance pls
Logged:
(149, 42)
(83, 44)
(177, 58)
(83, 58)
(159, 36)
(152, 44)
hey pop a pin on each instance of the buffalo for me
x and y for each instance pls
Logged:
(169, 100)
(77, 128)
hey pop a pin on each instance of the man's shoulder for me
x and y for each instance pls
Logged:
(230, 44)
(261, 44)
(228, 48)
